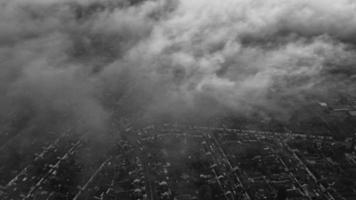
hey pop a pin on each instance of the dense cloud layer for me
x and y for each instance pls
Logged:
(81, 63)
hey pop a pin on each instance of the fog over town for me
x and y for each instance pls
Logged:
(177, 99)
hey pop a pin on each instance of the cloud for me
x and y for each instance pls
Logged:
(95, 61)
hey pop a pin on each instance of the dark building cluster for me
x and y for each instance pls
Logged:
(182, 162)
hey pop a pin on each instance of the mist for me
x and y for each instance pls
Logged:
(85, 63)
